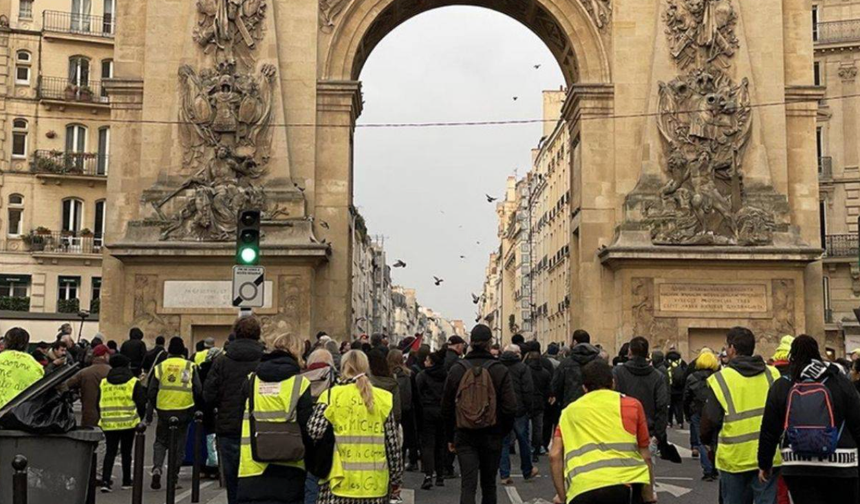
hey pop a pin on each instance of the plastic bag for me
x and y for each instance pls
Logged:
(47, 413)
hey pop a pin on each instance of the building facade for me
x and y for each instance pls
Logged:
(549, 210)
(55, 157)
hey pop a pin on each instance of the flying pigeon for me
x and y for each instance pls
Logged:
(490, 199)
(399, 264)
(438, 281)
(475, 299)
(515, 98)
(537, 66)
(462, 257)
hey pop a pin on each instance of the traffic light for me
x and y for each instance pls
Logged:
(248, 238)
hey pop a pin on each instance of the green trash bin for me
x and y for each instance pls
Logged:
(58, 465)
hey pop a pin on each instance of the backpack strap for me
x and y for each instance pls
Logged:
(252, 385)
(294, 398)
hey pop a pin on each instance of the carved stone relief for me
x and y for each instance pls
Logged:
(290, 309)
(329, 11)
(847, 73)
(230, 29)
(600, 12)
(146, 316)
(705, 122)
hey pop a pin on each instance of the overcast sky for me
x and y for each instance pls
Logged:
(423, 189)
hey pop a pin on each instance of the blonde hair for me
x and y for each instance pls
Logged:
(291, 344)
(354, 364)
(320, 355)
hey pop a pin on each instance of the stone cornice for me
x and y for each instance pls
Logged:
(803, 101)
(125, 94)
(340, 96)
(588, 100)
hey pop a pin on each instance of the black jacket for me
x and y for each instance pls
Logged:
(278, 484)
(846, 408)
(149, 359)
(676, 373)
(637, 378)
(712, 413)
(506, 399)
(431, 385)
(541, 378)
(567, 380)
(451, 357)
(521, 376)
(696, 391)
(225, 381)
(118, 376)
(135, 350)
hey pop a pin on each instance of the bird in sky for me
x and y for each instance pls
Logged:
(537, 66)
(490, 199)
(399, 264)
(438, 281)
(515, 98)
(462, 257)
(475, 299)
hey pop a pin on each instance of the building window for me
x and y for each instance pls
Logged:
(16, 286)
(816, 73)
(814, 23)
(25, 9)
(79, 71)
(107, 73)
(108, 19)
(99, 223)
(73, 210)
(22, 67)
(104, 151)
(819, 144)
(95, 300)
(80, 15)
(16, 215)
(822, 221)
(67, 294)
(828, 309)
(19, 139)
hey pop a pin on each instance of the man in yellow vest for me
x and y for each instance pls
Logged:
(732, 417)
(18, 369)
(122, 404)
(173, 387)
(600, 451)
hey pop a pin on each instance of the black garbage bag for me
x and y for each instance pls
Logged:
(50, 412)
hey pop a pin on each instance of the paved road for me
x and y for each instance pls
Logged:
(677, 483)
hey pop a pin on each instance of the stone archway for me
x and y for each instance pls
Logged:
(575, 32)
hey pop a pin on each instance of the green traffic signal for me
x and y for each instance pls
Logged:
(248, 255)
(248, 238)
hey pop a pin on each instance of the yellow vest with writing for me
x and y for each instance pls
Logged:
(272, 402)
(18, 370)
(598, 450)
(175, 377)
(360, 465)
(116, 406)
(742, 398)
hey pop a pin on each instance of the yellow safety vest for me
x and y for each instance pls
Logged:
(742, 398)
(18, 370)
(360, 466)
(116, 406)
(175, 377)
(273, 402)
(598, 451)
(200, 356)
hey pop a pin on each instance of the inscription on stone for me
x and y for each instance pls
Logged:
(204, 294)
(713, 298)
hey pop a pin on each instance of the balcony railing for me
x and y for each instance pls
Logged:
(70, 163)
(79, 24)
(841, 245)
(62, 89)
(825, 167)
(62, 242)
(837, 31)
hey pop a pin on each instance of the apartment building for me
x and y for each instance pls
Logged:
(515, 299)
(54, 160)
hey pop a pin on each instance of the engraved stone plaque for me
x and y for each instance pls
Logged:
(204, 294)
(713, 298)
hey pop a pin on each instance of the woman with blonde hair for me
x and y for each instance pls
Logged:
(695, 396)
(275, 393)
(367, 465)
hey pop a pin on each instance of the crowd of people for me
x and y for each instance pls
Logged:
(290, 421)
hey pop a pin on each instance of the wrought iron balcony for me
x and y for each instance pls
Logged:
(825, 167)
(54, 162)
(832, 32)
(63, 242)
(79, 24)
(62, 89)
(841, 245)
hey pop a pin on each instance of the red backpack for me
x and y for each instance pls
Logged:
(810, 427)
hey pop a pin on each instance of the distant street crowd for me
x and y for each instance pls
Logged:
(288, 420)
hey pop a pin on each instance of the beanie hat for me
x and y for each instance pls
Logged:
(176, 346)
(101, 351)
(119, 360)
(481, 333)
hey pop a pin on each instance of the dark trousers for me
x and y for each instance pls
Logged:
(115, 440)
(550, 420)
(228, 448)
(618, 494)
(676, 410)
(479, 454)
(819, 490)
(537, 432)
(410, 436)
(433, 446)
(161, 446)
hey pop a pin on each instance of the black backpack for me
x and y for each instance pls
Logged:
(810, 427)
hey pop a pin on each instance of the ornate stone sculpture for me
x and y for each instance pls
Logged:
(230, 28)
(224, 130)
(600, 12)
(705, 121)
(329, 10)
